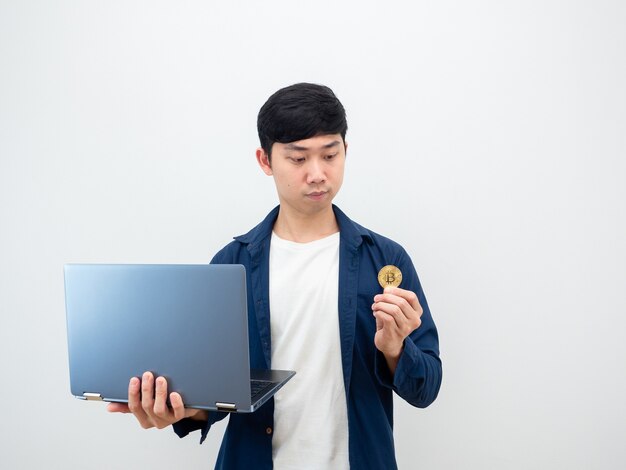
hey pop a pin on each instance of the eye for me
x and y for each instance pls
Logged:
(330, 157)
(297, 159)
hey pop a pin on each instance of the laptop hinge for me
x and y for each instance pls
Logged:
(92, 396)
(225, 406)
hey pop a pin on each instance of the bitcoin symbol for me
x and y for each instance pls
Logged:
(389, 276)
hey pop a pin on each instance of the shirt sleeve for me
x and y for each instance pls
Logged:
(418, 375)
(187, 425)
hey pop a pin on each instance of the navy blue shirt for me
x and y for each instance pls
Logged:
(368, 382)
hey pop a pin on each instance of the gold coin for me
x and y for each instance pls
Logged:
(389, 276)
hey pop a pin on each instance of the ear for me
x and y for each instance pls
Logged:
(264, 161)
(345, 147)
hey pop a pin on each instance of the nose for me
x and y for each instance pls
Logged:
(315, 174)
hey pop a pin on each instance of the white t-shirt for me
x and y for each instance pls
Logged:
(310, 413)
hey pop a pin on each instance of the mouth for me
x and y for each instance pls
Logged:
(317, 195)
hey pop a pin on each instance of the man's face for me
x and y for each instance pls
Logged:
(308, 173)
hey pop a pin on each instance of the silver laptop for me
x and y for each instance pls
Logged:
(188, 323)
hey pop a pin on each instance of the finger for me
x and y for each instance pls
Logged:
(379, 323)
(178, 407)
(160, 400)
(390, 329)
(407, 295)
(407, 319)
(148, 401)
(392, 310)
(134, 395)
(400, 302)
(134, 403)
(147, 393)
(118, 408)
(411, 307)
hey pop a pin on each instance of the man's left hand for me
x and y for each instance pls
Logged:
(397, 313)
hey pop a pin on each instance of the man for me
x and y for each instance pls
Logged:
(316, 307)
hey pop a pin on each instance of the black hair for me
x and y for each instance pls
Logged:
(299, 112)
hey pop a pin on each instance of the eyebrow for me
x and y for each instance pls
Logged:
(293, 146)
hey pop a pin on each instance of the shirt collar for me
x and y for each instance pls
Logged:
(351, 232)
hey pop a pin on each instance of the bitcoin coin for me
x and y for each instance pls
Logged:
(389, 276)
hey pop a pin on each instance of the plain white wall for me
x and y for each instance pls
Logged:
(487, 137)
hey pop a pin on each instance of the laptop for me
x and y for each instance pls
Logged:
(188, 323)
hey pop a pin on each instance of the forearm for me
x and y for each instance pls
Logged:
(203, 420)
(201, 415)
(417, 376)
(392, 361)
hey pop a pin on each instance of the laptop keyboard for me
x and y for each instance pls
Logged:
(259, 387)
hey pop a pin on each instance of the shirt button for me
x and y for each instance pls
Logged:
(268, 430)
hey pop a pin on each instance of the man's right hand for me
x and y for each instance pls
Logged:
(150, 407)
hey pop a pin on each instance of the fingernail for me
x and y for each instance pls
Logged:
(134, 381)
(146, 376)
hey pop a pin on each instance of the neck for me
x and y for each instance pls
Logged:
(304, 228)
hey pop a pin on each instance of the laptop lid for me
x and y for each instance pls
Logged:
(187, 323)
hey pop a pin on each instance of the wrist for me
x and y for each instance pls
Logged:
(392, 358)
(393, 354)
(201, 415)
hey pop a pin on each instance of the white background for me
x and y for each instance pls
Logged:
(487, 137)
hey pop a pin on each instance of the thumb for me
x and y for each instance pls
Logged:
(118, 408)
(379, 323)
